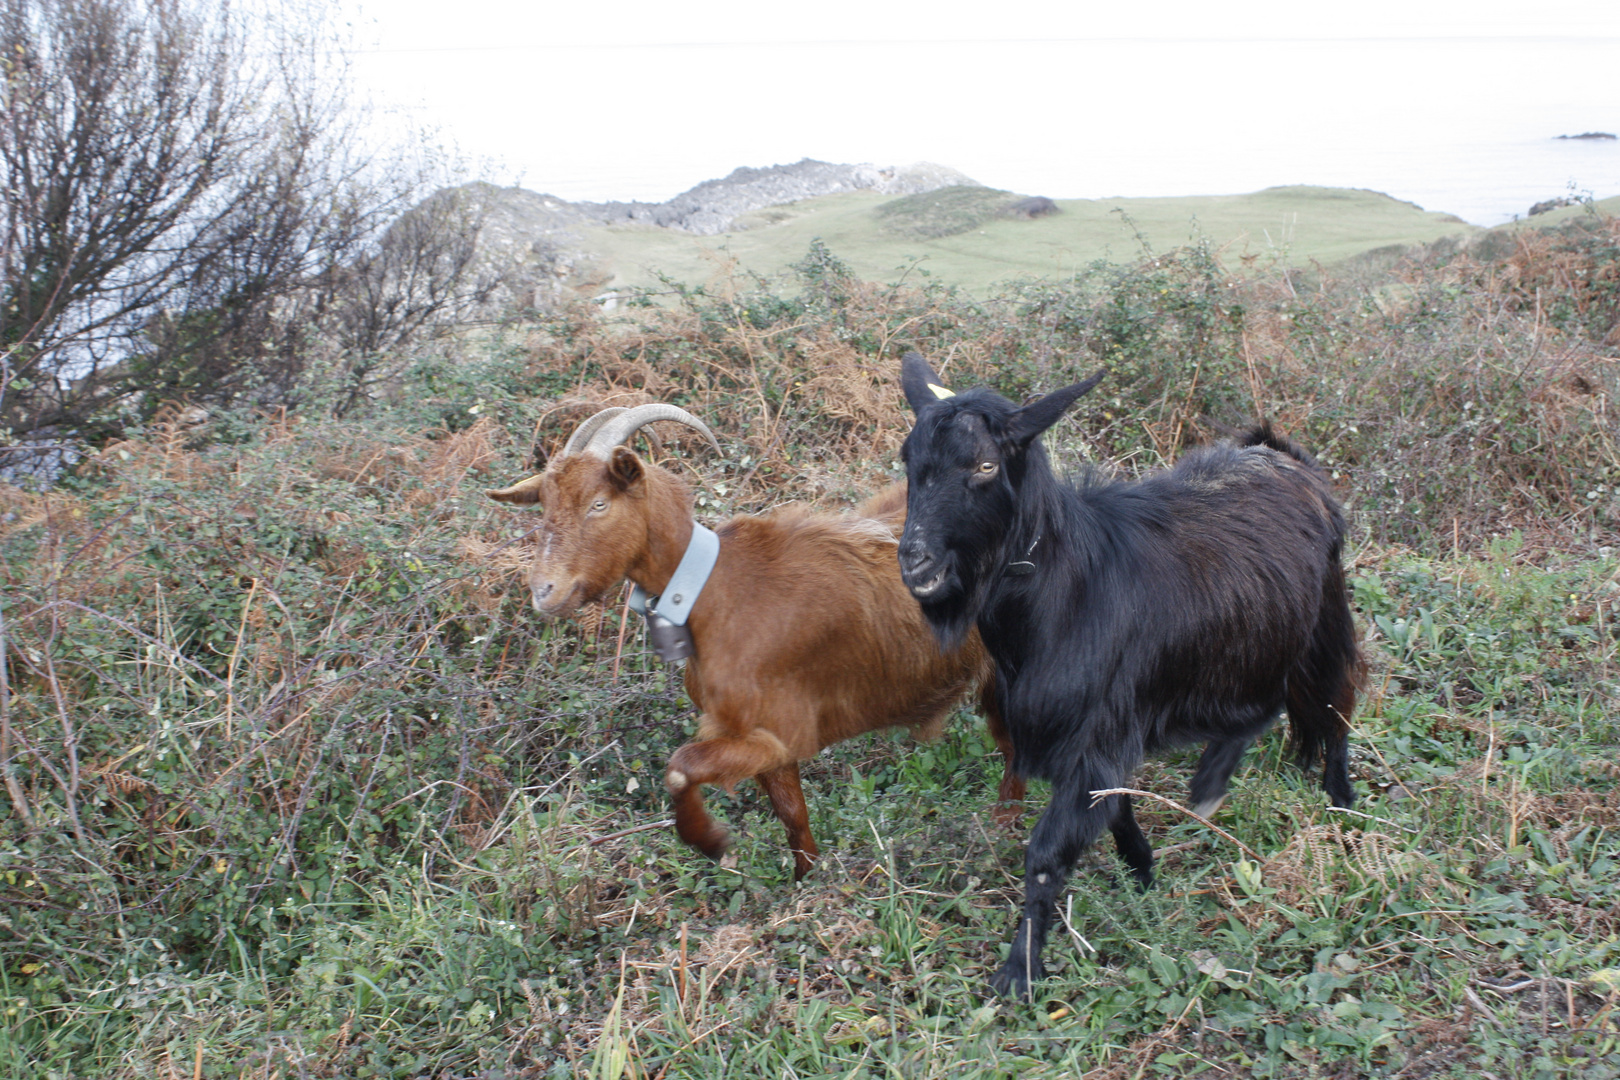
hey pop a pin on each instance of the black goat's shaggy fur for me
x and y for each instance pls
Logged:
(1191, 606)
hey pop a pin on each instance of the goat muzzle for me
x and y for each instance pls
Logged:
(926, 589)
(552, 600)
(923, 574)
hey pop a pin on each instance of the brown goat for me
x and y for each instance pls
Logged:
(804, 634)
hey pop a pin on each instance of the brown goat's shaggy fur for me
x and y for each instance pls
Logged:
(804, 635)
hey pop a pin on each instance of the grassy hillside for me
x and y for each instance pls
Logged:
(1297, 224)
(298, 785)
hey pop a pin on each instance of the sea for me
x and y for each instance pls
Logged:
(1462, 125)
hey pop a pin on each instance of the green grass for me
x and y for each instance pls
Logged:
(1297, 225)
(311, 792)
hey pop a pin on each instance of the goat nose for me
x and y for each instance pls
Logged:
(541, 591)
(914, 559)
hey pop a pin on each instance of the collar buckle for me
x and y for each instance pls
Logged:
(1023, 567)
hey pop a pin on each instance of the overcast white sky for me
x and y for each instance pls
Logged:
(409, 24)
(642, 99)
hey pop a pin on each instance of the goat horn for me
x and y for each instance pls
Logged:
(619, 428)
(582, 434)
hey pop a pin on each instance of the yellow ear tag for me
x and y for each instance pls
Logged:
(940, 392)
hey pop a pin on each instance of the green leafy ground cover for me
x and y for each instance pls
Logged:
(300, 787)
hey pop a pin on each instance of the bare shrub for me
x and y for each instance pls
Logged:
(193, 204)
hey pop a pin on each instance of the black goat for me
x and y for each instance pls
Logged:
(1187, 607)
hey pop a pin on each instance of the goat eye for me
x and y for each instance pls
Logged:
(987, 468)
(598, 506)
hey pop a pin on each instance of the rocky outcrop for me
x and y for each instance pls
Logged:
(532, 244)
(1593, 135)
(712, 206)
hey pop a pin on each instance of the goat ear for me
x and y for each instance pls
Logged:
(625, 469)
(921, 385)
(1039, 415)
(523, 493)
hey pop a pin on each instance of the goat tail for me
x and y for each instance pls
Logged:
(1263, 434)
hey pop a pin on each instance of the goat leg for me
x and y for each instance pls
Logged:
(782, 787)
(1010, 798)
(1069, 824)
(1133, 846)
(1213, 776)
(694, 825)
(723, 760)
(1336, 773)
(1322, 692)
(1317, 712)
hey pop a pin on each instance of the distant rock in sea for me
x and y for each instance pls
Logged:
(1592, 135)
(1553, 204)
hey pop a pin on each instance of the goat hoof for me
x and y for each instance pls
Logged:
(1014, 982)
(1007, 816)
(713, 843)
